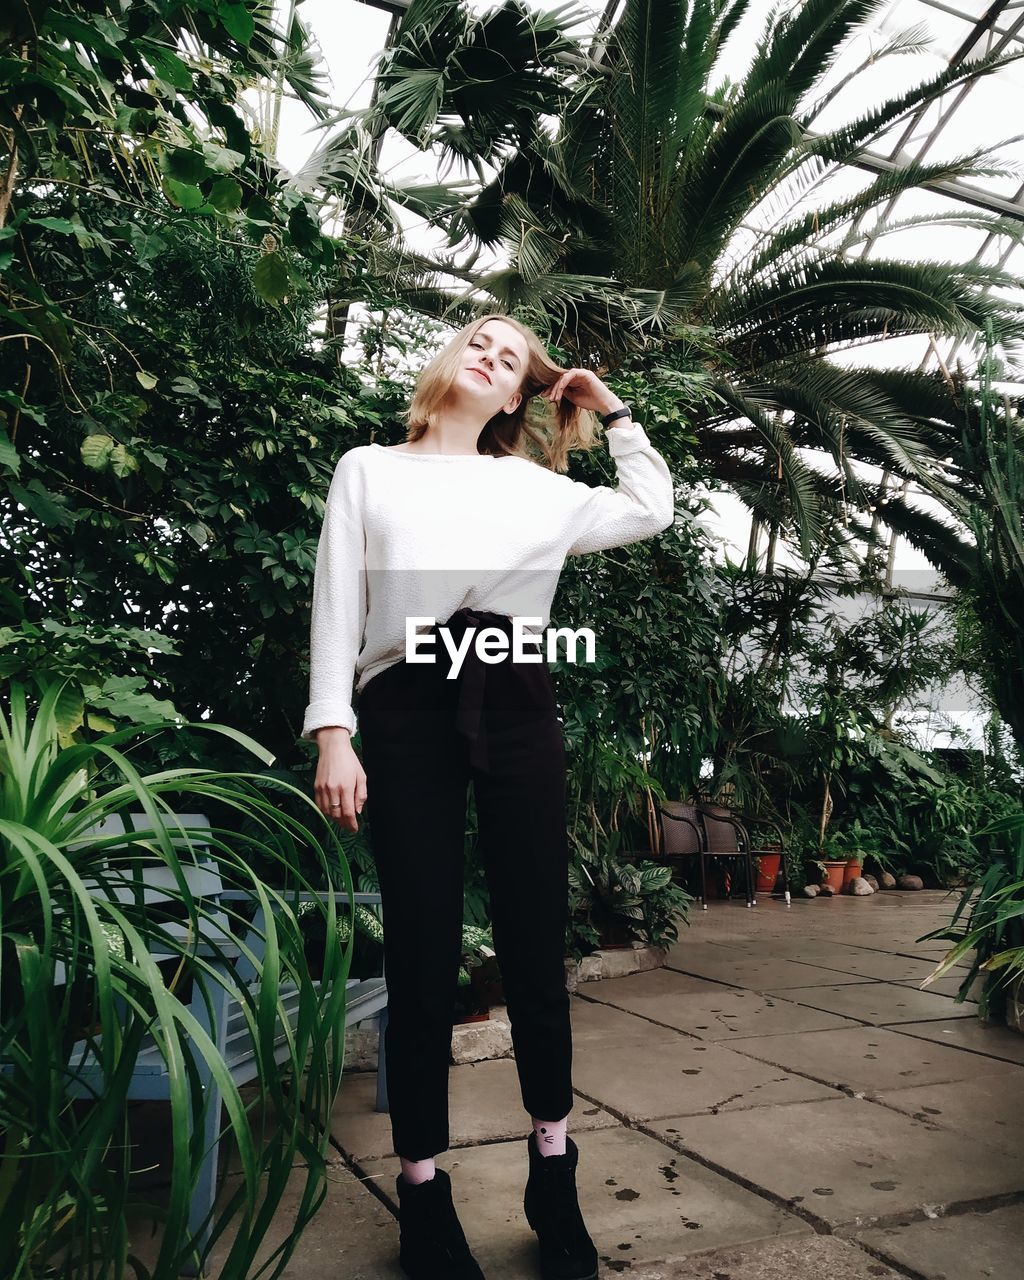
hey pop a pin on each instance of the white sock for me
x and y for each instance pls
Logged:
(550, 1136)
(417, 1171)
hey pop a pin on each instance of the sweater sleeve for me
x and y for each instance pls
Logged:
(339, 605)
(642, 505)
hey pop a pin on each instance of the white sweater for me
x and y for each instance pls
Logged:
(424, 535)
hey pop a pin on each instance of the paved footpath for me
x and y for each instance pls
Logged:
(781, 1100)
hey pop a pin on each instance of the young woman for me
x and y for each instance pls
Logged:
(458, 531)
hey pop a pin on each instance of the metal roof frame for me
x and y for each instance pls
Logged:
(874, 162)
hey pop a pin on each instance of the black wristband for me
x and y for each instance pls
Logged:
(624, 412)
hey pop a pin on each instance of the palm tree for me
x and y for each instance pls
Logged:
(994, 444)
(624, 227)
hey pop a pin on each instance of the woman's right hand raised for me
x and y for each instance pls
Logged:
(340, 786)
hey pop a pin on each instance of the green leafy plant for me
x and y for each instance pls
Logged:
(988, 924)
(478, 966)
(853, 841)
(76, 960)
(993, 443)
(612, 900)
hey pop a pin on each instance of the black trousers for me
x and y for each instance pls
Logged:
(424, 739)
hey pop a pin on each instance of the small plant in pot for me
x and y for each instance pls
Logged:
(479, 983)
(843, 853)
(768, 858)
(831, 861)
(627, 903)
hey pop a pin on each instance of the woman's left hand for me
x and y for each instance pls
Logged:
(585, 389)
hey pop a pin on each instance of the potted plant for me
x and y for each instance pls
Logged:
(478, 980)
(626, 903)
(992, 928)
(831, 861)
(765, 836)
(766, 864)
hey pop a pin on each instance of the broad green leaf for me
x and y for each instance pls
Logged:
(147, 245)
(24, 408)
(185, 166)
(226, 195)
(237, 20)
(96, 450)
(259, 210)
(221, 159)
(43, 504)
(169, 67)
(69, 709)
(148, 380)
(9, 456)
(108, 28)
(184, 196)
(270, 278)
(122, 463)
(304, 230)
(63, 225)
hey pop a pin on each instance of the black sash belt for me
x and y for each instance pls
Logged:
(469, 717)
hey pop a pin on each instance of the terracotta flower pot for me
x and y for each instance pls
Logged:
(835, 873)
(767, 871)
(472, 1017)
(851, 871)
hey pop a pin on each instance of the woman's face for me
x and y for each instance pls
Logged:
(493, 366)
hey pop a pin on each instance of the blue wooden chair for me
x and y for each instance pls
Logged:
(227, 1027)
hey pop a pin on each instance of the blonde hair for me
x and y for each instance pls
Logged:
(554, 430)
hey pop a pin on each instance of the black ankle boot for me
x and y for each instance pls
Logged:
(552, 1210)
(432, 1243)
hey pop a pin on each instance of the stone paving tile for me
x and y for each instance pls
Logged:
(848, 1161)
(803, 1258)
(879, 1003)
(868, 1059)
(934, 954)
(803, 950)
(686, 1077)
(985, 1107)
(882, 966)
(756, 975)
(887, 941)
(948, 985)
(353, 1234)
(718, 949)
(972, 1034)
(969, 1246)
(485, 1105)
(642, 1203)
(715, 1013)
(596, 1022)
